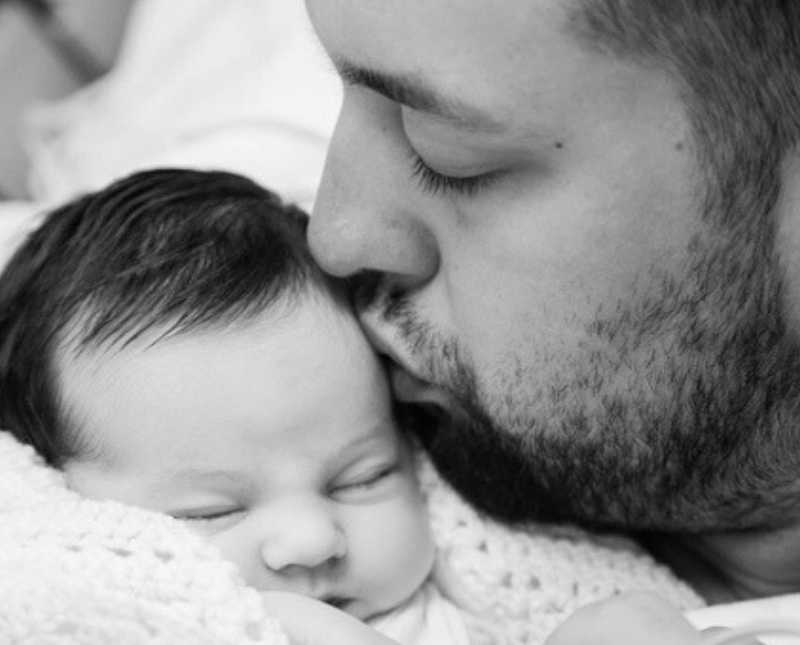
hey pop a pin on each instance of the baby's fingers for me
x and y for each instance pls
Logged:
(783, 631)
(724, 636)
(311, 622)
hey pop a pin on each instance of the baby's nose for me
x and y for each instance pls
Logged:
(305, 537)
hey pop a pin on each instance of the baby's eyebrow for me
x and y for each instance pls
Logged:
(366, 443)
(416, 94)
(197, 474)
(365, 438)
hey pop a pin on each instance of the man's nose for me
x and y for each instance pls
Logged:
(302, 534)
(364, 217)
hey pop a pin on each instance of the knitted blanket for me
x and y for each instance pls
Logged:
(86, 572)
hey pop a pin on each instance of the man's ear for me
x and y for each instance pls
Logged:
(787, 235)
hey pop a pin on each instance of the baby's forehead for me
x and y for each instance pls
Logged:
(300, 457)
(307, 378)
(313, 308)
(260, 477)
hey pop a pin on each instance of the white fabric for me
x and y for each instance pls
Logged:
(529, 580)
(240, 85)
(425, 619)
(81, 572)
(17, 219)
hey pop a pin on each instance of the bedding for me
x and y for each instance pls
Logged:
(17, 219)
(235, 85)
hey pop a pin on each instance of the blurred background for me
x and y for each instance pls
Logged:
(92, 90)
(48, 49)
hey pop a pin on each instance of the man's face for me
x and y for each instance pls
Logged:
(523, 217)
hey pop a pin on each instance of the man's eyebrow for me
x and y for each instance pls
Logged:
(414, 93)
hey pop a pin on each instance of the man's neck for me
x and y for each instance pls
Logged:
(733, 566)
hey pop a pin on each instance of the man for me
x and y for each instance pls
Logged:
(573, 226)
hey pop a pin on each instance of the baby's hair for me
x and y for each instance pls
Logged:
(165, 251)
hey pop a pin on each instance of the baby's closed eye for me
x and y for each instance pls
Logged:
(352, 486)
(213, 517)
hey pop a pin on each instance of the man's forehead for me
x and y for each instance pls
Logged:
(416, 8)
(477, 21)
(464, 61)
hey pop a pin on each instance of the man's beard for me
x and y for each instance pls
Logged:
(715, 447)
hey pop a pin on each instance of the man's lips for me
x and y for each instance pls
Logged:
(410, 389)
(408, 385)
(380, 341)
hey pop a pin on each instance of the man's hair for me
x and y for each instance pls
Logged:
(164, 251)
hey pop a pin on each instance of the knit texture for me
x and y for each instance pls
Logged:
(529, 580)
(85, 572)
(82, 572)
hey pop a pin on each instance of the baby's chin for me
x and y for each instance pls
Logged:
(369, 610)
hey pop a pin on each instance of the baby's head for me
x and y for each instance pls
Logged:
(170, 344)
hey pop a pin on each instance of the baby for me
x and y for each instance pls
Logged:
(169, 343)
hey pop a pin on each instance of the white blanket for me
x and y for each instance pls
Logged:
(79, 571)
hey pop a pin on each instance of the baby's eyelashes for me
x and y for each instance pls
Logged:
(213, 518)
(353, 486)
(362, 483)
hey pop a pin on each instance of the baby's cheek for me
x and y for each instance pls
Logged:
(396, 550)
(416, 548)
(237, 547)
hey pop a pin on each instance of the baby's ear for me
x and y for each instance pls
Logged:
(484, 626)
(786, 219)
(452, 587)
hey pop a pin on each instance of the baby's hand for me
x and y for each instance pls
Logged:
(311, 622)
(629, 619)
